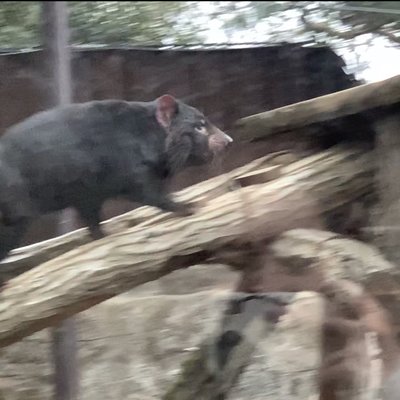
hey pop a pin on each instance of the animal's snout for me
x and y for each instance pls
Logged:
(227, 139)
(219, 140)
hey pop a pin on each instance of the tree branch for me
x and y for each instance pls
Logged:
(390, 35)
(325, 28)
(324, 108)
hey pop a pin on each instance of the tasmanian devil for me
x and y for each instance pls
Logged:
(82, 154)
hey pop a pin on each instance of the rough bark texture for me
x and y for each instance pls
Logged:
(100, 270)
(150, 326)
(320, 109)
(25, 258)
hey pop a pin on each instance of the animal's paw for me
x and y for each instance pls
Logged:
(184, 210)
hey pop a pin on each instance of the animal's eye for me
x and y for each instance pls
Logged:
(201, 127)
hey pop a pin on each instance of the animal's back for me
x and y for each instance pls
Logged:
(58, 129)
(72, 151)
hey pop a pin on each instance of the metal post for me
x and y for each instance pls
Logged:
(57, 64)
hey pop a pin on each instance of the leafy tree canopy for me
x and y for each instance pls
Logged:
(349, 27)
(158, 22)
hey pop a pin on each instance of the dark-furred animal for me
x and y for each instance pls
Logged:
(82, 154)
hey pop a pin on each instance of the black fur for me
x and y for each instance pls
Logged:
(83, 154)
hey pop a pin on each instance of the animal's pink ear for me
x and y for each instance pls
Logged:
(166, 109)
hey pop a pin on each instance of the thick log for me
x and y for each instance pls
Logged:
(23, 259)
(100, 270)
(340, 104)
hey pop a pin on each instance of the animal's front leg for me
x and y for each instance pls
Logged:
(91, 217)
(153, 193)
(181, 209)
(10, 238)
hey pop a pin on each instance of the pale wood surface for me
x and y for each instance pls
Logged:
(324, 108)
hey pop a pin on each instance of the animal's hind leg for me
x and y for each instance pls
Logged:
(96, 232)
(10, 236)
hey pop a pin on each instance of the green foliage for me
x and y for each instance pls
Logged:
(179, 22)
(125, 22)
(317, 19)
(19, 25)
(98, 22)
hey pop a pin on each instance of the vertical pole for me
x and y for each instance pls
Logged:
(57, 65)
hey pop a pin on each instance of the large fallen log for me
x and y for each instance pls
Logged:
(319, 109)
(271, 166)
(100, 270)
(22, 259)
